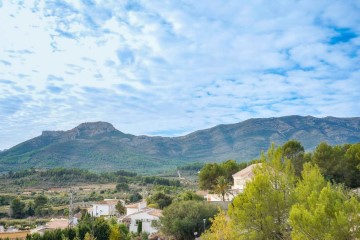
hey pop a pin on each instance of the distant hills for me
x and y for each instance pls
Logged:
(98, 146)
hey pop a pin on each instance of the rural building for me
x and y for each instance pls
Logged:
(104, 208)
(139, 212)
(242, 177)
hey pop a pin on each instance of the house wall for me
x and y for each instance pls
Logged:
(146, 222)
(102, 210)
(239, 183)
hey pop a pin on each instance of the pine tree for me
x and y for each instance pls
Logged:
(323, 211)
(262, 210)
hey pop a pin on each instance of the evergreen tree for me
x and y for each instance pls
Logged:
(323, 211)
(17, 208)
(262, 210)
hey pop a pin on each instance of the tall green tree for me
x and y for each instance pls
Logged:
(17, 208)
(323, 211)
(40, 201)
(352, 166)
(120, 208)
(161, 199)
(181, 219)
(231, 167)
(294, 151)
(212, 171)
(222, 187)
(262, 210)
(208, 175)
(101, 229)
(30, 210)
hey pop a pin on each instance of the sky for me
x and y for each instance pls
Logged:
(172, 67)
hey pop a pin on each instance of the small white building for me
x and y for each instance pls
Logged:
(242, 177)
(139, 212)
(104, 208)
(136, 207)
(147, 216)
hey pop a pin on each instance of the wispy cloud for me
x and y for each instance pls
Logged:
(173, 67)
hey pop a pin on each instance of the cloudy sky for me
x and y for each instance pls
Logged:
(171, 67)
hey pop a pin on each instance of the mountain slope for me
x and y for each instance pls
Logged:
(99, 146)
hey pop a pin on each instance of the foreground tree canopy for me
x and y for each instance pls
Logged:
(278, 205)
(182, 219)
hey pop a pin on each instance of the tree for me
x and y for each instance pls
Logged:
(323, 211)
(231, 167)
(139, 227)
(135, 197)
(120, 208)
(221, 229)
(208, 175)
(40, 201)
(352, 166)
(188, 195)
(17, 208)
(122, 187)
(294, 151)
(124, 231)
(182, 219)
(211, 171)
(159, 198)
(222, 187)
(262, 210)
(30, 211)
(88, 236)
(114, 233)
(101, 229)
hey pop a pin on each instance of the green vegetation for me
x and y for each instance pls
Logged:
(88, 228)
(182, 219)
(159, 200)
(277, 204)
(209, 174)
(293, 195)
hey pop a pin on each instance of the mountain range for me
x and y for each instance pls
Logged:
(98, 146)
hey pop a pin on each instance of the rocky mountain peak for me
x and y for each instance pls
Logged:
(93, 128)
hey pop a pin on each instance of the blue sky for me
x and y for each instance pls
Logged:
(172, 67)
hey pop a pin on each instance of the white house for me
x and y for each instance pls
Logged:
(139, 212)
(104, 208)
(242, 177)
(134, 208)
(147, 216)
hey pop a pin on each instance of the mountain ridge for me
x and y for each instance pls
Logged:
(100, 146)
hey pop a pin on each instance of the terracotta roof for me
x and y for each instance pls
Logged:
(155, 212)
(247, 172)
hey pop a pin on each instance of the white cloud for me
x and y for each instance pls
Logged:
(174, 67)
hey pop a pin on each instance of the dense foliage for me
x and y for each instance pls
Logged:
(278, 205)
(212, 171)
(88, 228)
(182, 219)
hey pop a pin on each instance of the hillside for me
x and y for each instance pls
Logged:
(99, 146)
